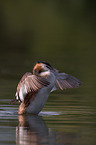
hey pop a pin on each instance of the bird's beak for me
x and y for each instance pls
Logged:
(54, 69)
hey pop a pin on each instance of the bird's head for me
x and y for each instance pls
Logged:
(41, 66)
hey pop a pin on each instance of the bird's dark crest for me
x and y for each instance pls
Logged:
(44, 63)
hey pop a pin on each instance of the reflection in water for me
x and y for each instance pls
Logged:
(31, 130)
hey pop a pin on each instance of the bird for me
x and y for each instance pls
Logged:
(33, 89)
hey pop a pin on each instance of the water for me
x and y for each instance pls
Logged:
(62, 33)
(67, 122)
(67, 118)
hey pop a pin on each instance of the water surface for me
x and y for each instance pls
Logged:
(64, 34)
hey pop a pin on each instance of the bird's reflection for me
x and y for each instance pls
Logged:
(31, 130)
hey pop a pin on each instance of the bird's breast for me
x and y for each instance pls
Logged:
(40, 99)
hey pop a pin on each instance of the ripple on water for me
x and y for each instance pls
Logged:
(8, 111)
(49, 113)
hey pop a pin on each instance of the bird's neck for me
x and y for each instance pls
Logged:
(45, 74)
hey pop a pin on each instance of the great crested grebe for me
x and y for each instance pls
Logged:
(33, 89)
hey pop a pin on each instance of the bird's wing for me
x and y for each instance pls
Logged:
(64, 81)
(31, 83)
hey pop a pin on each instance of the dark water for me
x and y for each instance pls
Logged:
(62, 33)
(69, 116)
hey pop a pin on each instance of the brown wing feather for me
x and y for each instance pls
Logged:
(32, 83)
(22, 80)
(64, 81)
(69, 82)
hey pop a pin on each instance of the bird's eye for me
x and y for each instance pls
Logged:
(48, 66)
